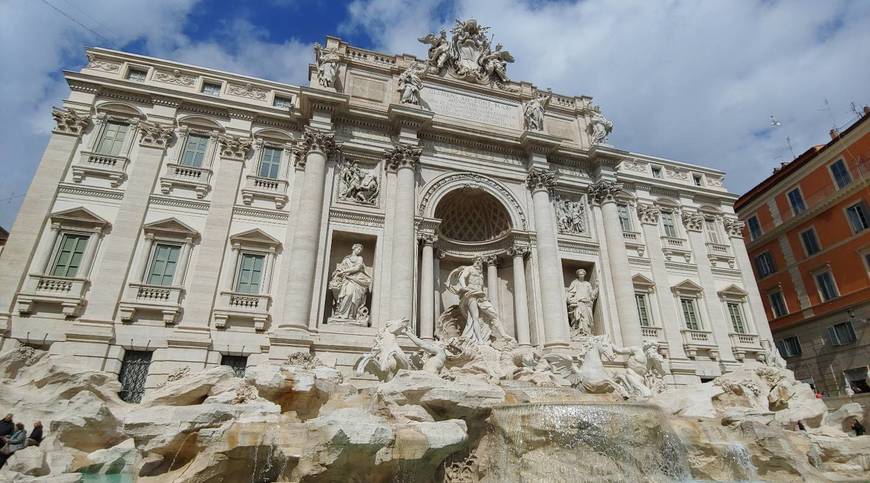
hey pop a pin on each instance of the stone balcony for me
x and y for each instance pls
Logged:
(634, 243)
(253, 307)
(69, 293)
(695, 341)
(743, 344)
(266, 188)
(720, 255)
(190, 177)
(651, 333)
(91, 164)
(676, 248)
(141, 297)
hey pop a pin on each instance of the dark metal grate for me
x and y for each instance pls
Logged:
(134, 371)
(237, 363)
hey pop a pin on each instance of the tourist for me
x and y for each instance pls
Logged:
(7, 427)
(18, 438)
(858, 428)
(36, 435)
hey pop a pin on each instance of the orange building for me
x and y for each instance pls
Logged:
(807, 231)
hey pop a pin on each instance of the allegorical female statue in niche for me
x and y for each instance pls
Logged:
(581, 297)
(350, 283)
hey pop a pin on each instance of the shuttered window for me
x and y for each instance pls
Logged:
(69, 255)
(250, 273)
(163, 264)
(690, 313)
(270, 163)
(194, 150)
(112, 139)
(736, 314)
(642, 309)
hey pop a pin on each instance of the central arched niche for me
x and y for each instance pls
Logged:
(472, 215)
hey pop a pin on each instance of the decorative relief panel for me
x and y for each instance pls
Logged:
(175, 77)
(570, 215)
(248, 90)
(102, 64)
(356, 185)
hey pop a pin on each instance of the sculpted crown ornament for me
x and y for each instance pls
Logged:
(154, 135)
(648, 214)
(402, 155)
(468, 54)
(234, 147)
(315, 140)
(604, 190)
(541, 179)
(68, 121)
(693, 221)
(734, 227)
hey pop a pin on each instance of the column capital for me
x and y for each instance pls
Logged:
(541, 179)
(315, 140)
(648, 214)
(490, 260)
(604, 191)
(733, 227)
(402, 155)
(692, 220)
(519, 250)
(155, 135)
(427, 238)
(69, 121)
(234, 147)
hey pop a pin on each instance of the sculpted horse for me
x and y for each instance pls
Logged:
(386, 357)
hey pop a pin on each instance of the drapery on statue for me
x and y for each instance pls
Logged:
(350, 282)
(357, 186)
(581, 297)
(599, 127)
(474, 318)
(533, 111)
(410, 84)
(327, 65)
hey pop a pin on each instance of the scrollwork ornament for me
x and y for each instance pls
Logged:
(648, 214)
(315, 140)
(402, 156)
(68, 121)
(733, 227)
(692, 221)
(541, 179)
(234, 147)
(603, 191)
(155, 135)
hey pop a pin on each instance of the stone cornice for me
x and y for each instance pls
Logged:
(537, 142)
(411, 117)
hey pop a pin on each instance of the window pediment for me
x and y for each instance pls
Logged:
(170, 227)
(687, 287)
(642, 282)
(733, 292)
(255, 238)
(199, 123)
(79, 217)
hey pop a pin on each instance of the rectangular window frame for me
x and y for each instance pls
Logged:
(152, 258)
(58, 251)
(196, 154)
(808, 250)
(822, 295)
(693, 318)
(117, 142)
(862, 216)
(237, 281)
(698, 179)
(206, 83)
(273, 164)
(768, 267)
(657, 172)
(282, 102)
(840, 338)
(789, 347)
(669, 229)
(238, 364)
(644, 314)
(138, 70)
(739, 325)
(846, 172)
(773, 305)
(754, 227)
(796, 207)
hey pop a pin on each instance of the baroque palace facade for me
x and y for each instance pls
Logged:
(183, 216)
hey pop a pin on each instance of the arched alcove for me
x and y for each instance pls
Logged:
(472, 215)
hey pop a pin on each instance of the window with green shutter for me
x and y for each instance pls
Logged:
(112, 139)
(690, 313)
(668, 224)
(270, 162)
(250, 274)
(163, 264)
(642, 309)
(194, 150)
(69, 255)
(736, 314)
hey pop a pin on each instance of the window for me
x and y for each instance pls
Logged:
(698, 180)
(789, 347)
(163, 263)
(282, 103)
(69, 255)
(735, 312)
(842, 333)
(777, 304)
(194, 150)
(137, 75)
(754, 227)
(624, 217)
(712, 231)
(857, 378)
(134, 371)
(810, 241)
(237, 363)
(112, 139)
(764, 264)
(796, 200)
(841, 174)
(859, 216)
(657, 172)
(642, 310)
(270, 162)
(668, 224)
(211, 88)
(827, 287)
(690, 313)
(250, 273)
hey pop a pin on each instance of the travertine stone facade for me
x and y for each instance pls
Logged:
(199, 214)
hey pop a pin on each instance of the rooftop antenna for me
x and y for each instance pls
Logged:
(854, 109)
(775, 123)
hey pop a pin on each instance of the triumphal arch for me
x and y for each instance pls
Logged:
(186, 217)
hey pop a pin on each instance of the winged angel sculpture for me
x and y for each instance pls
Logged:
(468, 54)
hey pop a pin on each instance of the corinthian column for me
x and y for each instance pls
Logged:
(602, 193)
(521, 304)
(427, 287)
(541, 182)
(403, 159)
(492, 279)
(311, 154)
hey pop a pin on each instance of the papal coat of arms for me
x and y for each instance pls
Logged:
(468, 54)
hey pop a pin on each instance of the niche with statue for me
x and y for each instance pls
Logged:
(350, 279)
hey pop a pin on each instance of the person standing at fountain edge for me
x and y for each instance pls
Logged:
(581, 298)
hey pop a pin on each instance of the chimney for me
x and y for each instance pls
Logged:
(835, 133)
(866, 110)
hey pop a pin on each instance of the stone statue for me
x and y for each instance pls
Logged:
(474, 318)
(468, 54)
(385, 358)
(494, 63)
(771, 355)
(533, 111)
(350, 283)
(570, 216)
(357, 186)
(646, 370)
(581, 298)
(599, 127)
(438, 49)
(589, 375)
(327, 65)
(434, 353)
(410, 84)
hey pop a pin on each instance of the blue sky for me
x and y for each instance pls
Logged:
(683, 79)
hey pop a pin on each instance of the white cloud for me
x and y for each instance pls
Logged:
(682, 79)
